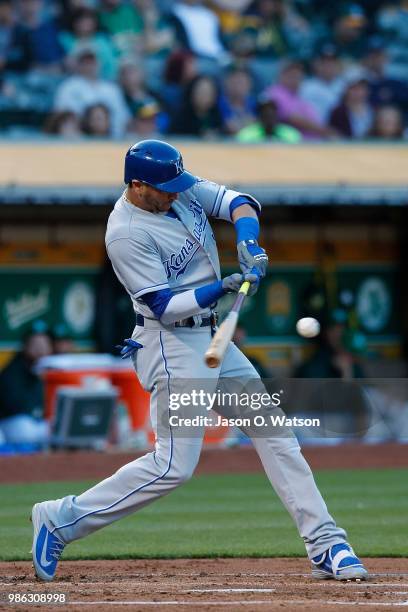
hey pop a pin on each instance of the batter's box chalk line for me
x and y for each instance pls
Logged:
(231, 603)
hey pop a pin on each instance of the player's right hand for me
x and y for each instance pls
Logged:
(232, 283)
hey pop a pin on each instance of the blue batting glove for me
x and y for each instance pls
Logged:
(252, 257)
(129, 348)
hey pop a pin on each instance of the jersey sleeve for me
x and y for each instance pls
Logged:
(137, 265)
(216, 199)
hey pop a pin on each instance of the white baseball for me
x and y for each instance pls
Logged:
(308, 327)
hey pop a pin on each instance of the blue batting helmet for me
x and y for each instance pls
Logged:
(158, 164)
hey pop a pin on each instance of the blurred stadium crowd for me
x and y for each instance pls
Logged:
(254, 70)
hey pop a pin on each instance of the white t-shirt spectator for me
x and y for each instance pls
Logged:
(322, 95)
(76, 93)
(202, 29)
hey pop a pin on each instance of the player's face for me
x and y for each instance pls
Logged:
(154, 200)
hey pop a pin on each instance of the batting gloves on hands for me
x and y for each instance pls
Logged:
(252, 257)
(129, 348)
(232, 284)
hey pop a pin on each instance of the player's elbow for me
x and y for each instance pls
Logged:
(158, 302)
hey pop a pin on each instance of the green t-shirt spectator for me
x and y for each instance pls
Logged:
(124, 18)
(102, 47)
(126, 28)
(255, 132)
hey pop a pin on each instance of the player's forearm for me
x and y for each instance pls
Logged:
(181, 306)
(169, 307)
(191, 302)
(246, 222)
(251, 257)
(245, 210)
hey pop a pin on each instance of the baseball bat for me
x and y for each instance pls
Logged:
(218, 346)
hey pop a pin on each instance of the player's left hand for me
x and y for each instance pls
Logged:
(232, 283)
(252, 257)
(129, 348)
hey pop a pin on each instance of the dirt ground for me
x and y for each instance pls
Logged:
(208, 584)
(80, 465)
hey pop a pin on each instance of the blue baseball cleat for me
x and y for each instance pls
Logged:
(339, 562)
(47, 548)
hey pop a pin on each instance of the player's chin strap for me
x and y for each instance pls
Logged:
(129, 348)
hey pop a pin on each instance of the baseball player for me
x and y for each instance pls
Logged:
(163, 251)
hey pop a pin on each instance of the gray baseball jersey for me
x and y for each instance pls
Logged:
(154, 251)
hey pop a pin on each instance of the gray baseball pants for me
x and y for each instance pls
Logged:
(168, 355)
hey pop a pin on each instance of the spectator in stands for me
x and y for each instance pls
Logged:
(350, 32)
(62, 342)
(230, 14)
(199, 115)
(388, 123)
(383, 88)
(292, 108)
(146, 122)
(84, 89)
(83, 33)
(8, 92)
(7, 25)
(67, 9)
(124, 22)
(212, 33)
(158, 35)
(236, 102)
(392, 24)
(268, 128)
(36, 41)
(353, 117)
(278, 30)
(324, 88)
(131, 80)
(180, 69)
(21, 393)
(198, 29)
(96, 121)
(137, 96)
(66, 124)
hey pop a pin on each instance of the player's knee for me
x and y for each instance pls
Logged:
(180, 474)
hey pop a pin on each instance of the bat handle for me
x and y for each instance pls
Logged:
(244, 287)
(246, 284)
(242, 293)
